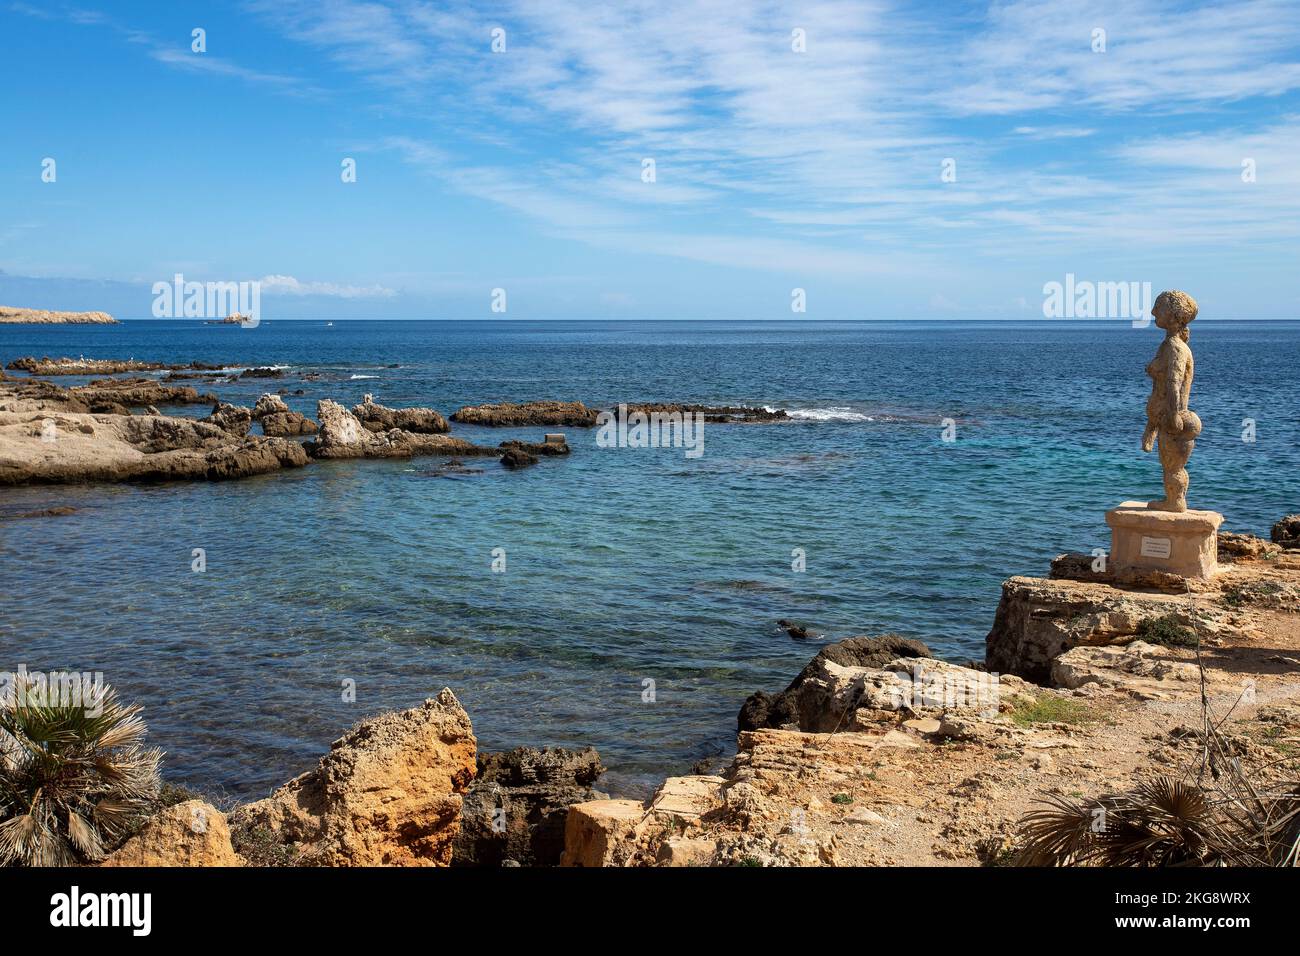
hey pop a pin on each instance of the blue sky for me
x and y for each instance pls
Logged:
(774, 169)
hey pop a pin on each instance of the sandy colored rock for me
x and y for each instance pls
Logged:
(192, 833)
(235, 419)
(602, 832)
(387, 794)
(684, 851)
(55, 447)
(1136, 666)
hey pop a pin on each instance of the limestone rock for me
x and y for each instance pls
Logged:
(231, 418)
(805, 702)
(602, 832)
(1039, 619)
(287, 425)
(509, 414)
(687, 798)
(377, 418)
(343, 436)
(269, 404)
(1133, 666)
(387, 794)
(192, 833)
(43, 317)
(519, 802)
(42, 446)
(683, 851)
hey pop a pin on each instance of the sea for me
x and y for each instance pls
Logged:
(621, 598)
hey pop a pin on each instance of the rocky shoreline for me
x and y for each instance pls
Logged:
(876, 754)
(111, 429)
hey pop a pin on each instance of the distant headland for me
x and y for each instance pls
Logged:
(8, 314)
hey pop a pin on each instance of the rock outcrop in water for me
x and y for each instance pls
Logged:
(713, 414)
(388, 793)
(511, 415)
(138, 392)
(343, 436)
(9, 314)
(278, 420)
(235, 419)
(1287, 532)
(517, 806)
(84, 366)
(378, 418)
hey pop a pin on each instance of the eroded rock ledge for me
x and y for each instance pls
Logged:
(9, 314)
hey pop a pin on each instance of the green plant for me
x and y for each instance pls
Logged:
(74, 777)
(1167, 631)
(841, 798)
(1050, 709)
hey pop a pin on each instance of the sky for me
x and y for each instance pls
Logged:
(650, 160)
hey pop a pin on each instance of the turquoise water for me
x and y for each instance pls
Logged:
(622, 565)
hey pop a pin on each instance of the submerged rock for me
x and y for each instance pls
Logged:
(713, 414)
(388, 793)
(515, 458)
(517, 806)
(509, 414)
(537, 449)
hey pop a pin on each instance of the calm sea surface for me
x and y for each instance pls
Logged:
(623, 565)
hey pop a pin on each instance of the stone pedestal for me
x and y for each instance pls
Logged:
(1185, 543)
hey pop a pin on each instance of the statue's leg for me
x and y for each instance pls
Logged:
(1174, 453)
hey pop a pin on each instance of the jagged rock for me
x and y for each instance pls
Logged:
(192, 833)
(805, 707)
(1039, 619)
(1233, 545)
(269, 404)
(1287, 532)
(387, 794)
(45, 446)
(235, 419)
(519, 801)
(509, 414)
(261, 371)
(343, 436)
(377, 418)
(602, 832)
(1134, 666)
(138, 392)
(288, 425)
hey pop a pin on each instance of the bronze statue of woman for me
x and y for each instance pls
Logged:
(1168, 417)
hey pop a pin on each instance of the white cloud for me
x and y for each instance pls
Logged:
(288, 285)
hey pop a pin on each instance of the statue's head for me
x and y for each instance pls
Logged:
(1174, 311)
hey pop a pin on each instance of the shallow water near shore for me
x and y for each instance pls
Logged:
(622, 565)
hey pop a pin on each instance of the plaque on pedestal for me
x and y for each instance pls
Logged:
(1185, 543)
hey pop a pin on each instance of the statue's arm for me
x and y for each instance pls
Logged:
(1175, 373)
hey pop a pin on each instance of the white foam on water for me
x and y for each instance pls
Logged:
(836, 413)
